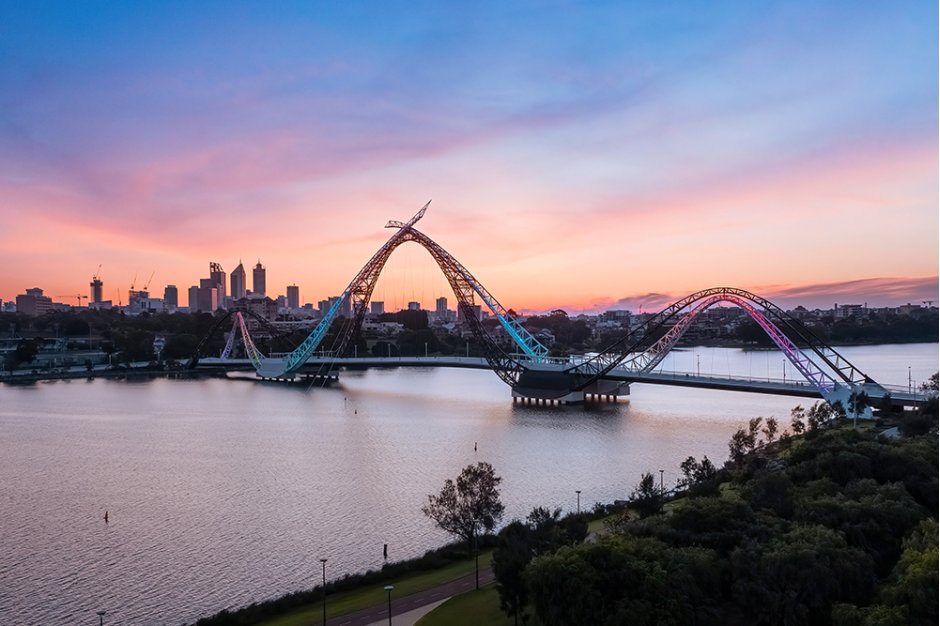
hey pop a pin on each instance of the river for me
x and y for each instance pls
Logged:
(224, 492)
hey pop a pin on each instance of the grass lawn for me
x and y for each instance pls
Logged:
(349, 601)
(474, 608)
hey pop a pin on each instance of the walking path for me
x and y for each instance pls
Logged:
(409, 609)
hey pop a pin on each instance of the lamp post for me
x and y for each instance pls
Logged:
(323, 562)
(784, 370)
(578, 491)
(910, 382)
(389, 588)
(662, 490)
(425, 349)
(101, 615)
(476, 557)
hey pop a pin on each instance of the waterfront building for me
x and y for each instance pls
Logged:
(217, 280)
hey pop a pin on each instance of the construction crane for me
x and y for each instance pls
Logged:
(77, 296)
(147, 284)
(97, 272)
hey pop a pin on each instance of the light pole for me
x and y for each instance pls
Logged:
(101, 615)
(578, 491)
(323, 562)
(698, 367)
(784, 370)
(389, 588)
(662, 490)
(476, 557)
(425, 349)
(910, 382)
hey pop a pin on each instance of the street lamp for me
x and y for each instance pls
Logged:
(323, 562)
(662, 490)
(476, 556)
(101, 615)
(784, 370)
(389, 588)
(910, 382)
(578, 491)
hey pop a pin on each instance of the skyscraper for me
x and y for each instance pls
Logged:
(217, 279)
(257, 279)
(293, 297)
(170, 297)
(441, 307)
(238, 282)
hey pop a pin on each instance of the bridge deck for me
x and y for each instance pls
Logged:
(320, 365)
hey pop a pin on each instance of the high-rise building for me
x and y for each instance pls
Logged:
(293, 297)
(477, 312)
(441, 307)
(238, 282)
(258, 279)
(378, 308)
(97, 287)
(33, 302)
(414, 306)
(217, 278)
(193, 299)
(170, 297)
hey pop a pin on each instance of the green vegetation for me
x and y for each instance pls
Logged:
(837, 526)
(468, 609)
(357, 591)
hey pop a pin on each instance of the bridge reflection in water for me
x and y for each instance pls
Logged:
(528, 369)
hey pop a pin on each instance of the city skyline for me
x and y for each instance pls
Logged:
(587, 157)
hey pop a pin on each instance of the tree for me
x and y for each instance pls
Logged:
(646, 497)
(932, 384)
(468, 505)
(26, 351)
(770, 430)
(514, 551)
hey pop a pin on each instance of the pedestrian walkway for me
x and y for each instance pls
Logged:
(409, 609)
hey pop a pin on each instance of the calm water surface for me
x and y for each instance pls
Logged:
(221, 493)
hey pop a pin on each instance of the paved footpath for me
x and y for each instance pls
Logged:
(407, 610)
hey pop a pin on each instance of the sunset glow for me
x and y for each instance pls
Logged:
(582, 155)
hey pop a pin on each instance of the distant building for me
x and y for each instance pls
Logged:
(414, 306)
(33, 302)
(293, 297)
(97, 287)
(193, 298)
(377, 308)
(476, 311)
(843, 311)
(440, 307)
(217, 278)
(259, 305)
(238, 282)
(258, 279)
(171, 298)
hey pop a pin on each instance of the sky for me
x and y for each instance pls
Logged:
(578, 155)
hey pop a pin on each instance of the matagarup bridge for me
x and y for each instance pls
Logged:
(529, 370)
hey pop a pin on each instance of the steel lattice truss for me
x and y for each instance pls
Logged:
(639, 351)
(359, 292)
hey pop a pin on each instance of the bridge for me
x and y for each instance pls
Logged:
(528, 369)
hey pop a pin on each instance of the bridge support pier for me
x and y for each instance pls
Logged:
(600, 391)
